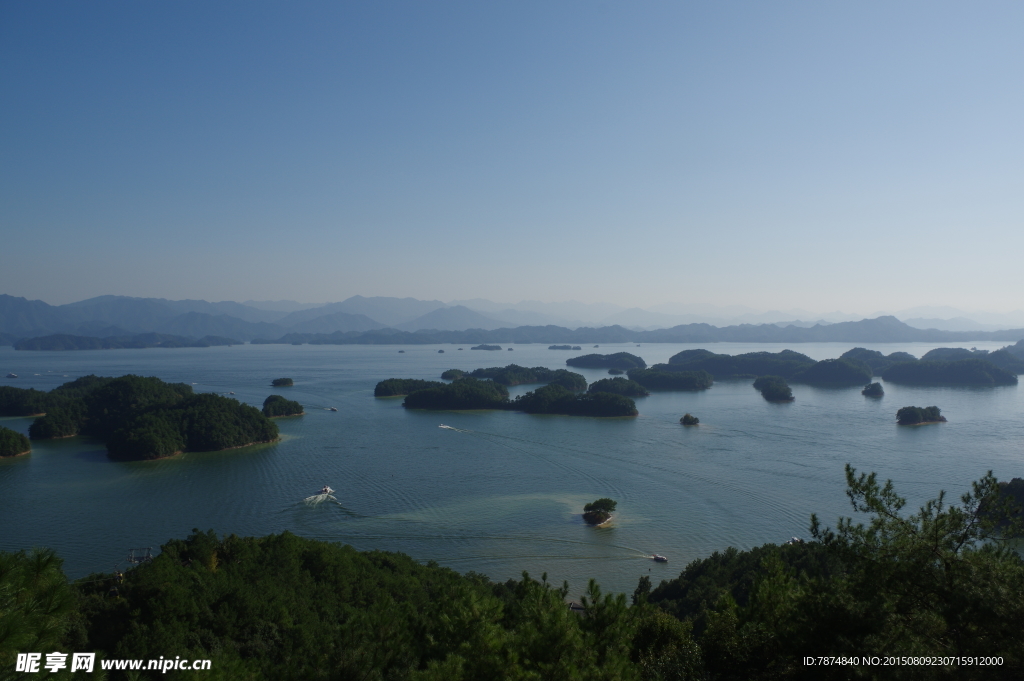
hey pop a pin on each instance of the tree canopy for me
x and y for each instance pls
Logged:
(835, 372)
(393, 387)
(785, 363)
(663, 377)
(966, 372)
(774, 388)
(619, 386)
(276, 405)
(910, 416)
(618, 360)
(13, 443)
(513, 374)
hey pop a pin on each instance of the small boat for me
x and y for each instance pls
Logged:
(12, 375)
(230, 393)
(332, 409)
(658, 558)
(324, 494)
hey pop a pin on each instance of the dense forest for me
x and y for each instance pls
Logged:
(276, 405)
(463, 393)
(1001, 358)
(554, 399)
(936, 583)
(13, 443)
(140, 418)
(774, 388)
(785, 363)
(618, 360)
(619, 386)
(834, 372)
(664, 377)
(912, 416)
(876, 360)
(394, 387)
(513, 374)
(471, 393)
(452, 374)
(965, 372)
(282, 382)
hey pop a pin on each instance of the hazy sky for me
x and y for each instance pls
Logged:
(855, 156)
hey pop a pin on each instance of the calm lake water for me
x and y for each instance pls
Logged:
(508, 495)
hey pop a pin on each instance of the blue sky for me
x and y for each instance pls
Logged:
(856, 156)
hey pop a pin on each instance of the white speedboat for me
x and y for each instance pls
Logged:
(12, 375)
(658, 558)
(324, 494)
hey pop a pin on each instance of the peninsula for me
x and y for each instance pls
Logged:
(513, 374)
(618, 360)
(472, 393)
(13, 443)
(962, 372)
(395, 387)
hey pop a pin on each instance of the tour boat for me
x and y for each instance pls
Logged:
(332, 409)
(658, 558)
(12, 375)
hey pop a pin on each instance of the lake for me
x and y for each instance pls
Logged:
(507, 496)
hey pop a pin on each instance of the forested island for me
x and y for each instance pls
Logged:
(599, 512)
(619, 386)
(873, 390)
(452, 374)
(395, 387)
(785, 363)
(889, 583)
(689, 420)
(834, 372)
(774, 388)
(513, 374)
(282, 382)
(963, 372)
(618, 360)
(876, 360)
(564, 347)
(13, 443)
(472, 393)
(666, 377)
(485, 347)
(915, 416)
(276, 405)
(65, 341)
(616, 372)
(140, 418)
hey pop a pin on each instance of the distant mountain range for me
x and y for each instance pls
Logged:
(409, 320)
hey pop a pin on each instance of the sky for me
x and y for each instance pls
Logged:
(826, 156)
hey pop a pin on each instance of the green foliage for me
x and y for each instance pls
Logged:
(22, 402)
(56, 423)
(282, 382)
(37, 607)
(616, 372)
(276, 405)
(908, 416)
(774, 388)
(785, 363)
(876, 360)
(1000, 358)
(486, 347)
(453, 374)
(689, 420)
(13, 443)
(513, 374)
(599, 511)
(967, 372)
(394, 387)
(618, 360)
(554, 399)
(464, 393)
(873, 390)
(661, 377)
(282, 607)
(835, 372)
(619, 386)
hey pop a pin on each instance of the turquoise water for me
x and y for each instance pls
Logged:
(506, 496)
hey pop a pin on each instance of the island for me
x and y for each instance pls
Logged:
(963, 372)
(619, 386)
(599, 512)
(876, 360)
(919, 416)
(282, 382)
(554, 399)
(616, 372)
(618, 360)
(13, 443)
(559, 347)
(513, 374)
(142, 418)
(485, 347)
(835, 372)
(473, 393)
(666, 377)
(774, 389)
(276, 405)
(873, 390)
(396, 387)
(689, 420)
(463, 393)
(785, 363)
(452, 374)
(442, 351)
(1001, 358)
